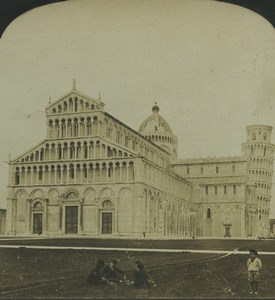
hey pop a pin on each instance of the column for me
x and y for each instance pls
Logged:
(97, 219)
(100, 167)
(75, 169)
(81, 173)
(68, 172)
(14, 215)
(9, 218)
(127, 171)
(61, 174)
(81, 151)
(94, 168)
(28, 215)
(107, 171)
(37, 175)
(43, 175)
(120, 172)
(66, 128)
(114, 172)
(46, 201)
(116, 229)
(88, 150)
(100, 149)
(94, 149)
(78, 127)
(60, 216)
(50, 152)
(55, 175)
(31, 175)
(81, 215)
(59, 130)
(25, 177)
(55, 158)
(49, 170)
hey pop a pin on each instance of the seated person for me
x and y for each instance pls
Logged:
(95, 277)
(141, 277)
(111, 273)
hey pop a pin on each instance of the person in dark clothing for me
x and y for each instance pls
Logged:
(141, 278)
(95, 277)
(111, 273)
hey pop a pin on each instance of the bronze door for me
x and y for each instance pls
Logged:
(107, 220)
(37, 223)
(71, 219)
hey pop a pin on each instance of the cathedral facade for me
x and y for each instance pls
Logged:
(95, 176)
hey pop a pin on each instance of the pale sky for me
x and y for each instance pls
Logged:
(209, 65)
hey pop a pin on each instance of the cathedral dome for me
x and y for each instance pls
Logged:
(155, 124)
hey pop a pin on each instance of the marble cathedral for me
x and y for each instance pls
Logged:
(95, 176)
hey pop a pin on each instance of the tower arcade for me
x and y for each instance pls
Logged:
(260, 156)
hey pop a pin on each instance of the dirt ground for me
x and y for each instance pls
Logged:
(45, 274)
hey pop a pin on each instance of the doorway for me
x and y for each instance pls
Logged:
(37, 223)
(71, 219)
(227, 231)
(107, 222)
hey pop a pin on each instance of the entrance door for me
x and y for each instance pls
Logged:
(37, 223)
(107, 220)
(71, 219)
(227, 231)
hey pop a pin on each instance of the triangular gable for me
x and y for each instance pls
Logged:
(114, 148)
(92, 103)
(28, 152)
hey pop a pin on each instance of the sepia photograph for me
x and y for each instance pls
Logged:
(137, 149)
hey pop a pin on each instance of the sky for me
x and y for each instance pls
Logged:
(209, 65)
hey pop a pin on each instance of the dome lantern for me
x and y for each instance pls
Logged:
(155, 108)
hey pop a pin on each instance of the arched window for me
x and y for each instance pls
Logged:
(17, 177)
(187, 170)
(208, 213)
(72, 171)
(217, 169)
(40, 174)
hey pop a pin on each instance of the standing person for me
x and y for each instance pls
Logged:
(95, 277)
(254, 265)
(111, 273)
(141, 277)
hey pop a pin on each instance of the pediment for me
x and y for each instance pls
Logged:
(40, 153)
(74, 102)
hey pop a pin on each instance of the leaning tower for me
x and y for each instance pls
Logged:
(260, 155)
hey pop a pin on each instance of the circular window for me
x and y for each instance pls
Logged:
(107, 204)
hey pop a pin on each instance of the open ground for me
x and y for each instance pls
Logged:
(53, 273)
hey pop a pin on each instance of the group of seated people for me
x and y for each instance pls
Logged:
(111, 274)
